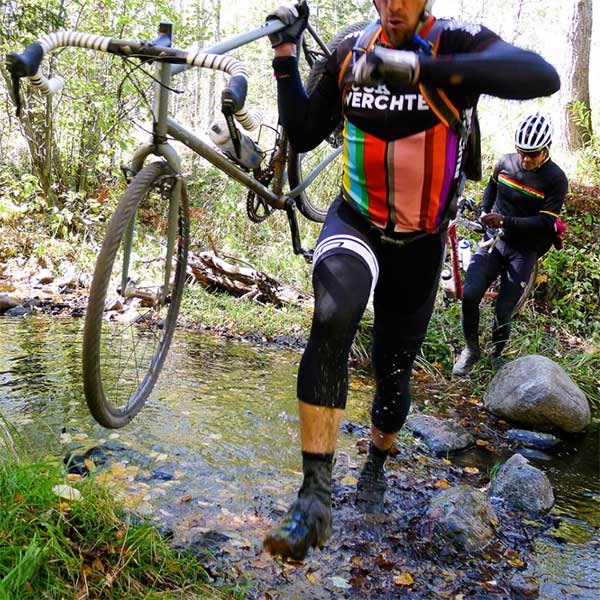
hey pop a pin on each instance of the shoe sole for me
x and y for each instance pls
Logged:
(280, 546)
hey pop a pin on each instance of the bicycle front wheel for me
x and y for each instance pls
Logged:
(135, 295)
(314, 201)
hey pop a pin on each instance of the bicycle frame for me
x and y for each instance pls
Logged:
(164, 125)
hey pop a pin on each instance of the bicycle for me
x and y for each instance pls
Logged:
(452, 277)
(138, 280)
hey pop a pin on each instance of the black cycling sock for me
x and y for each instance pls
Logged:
(378, 453)
(317, 470)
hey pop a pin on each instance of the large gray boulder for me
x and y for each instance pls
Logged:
(535, 391)
(522, 486)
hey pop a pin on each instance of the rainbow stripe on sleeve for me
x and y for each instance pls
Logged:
(515, 185)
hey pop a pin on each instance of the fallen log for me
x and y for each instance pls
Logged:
(216, 274)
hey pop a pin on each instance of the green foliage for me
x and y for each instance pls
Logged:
(53, 548)
(570, 287)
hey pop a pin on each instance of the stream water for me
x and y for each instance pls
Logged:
(222, 429)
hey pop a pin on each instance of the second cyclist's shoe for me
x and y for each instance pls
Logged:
(468, 357)
(306, 525)
(371, 487)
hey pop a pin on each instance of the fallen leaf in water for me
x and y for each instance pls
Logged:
(67, 492)
(442, 483)
(89, 465)
(312, 578)
(74, 477)
(356, 560)
(404, 579)
(340, 582)
(349, 480)
(186, 498)
(79, 437)
(482, 443)
(517, 562)
(471, 470)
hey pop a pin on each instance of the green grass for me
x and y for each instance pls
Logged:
(224, 314)
(54, 548)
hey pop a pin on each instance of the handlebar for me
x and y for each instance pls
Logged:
(28, 65)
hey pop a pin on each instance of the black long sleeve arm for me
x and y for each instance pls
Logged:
(500, 70)
(307, 120)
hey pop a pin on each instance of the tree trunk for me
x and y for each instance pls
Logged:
(576, 123)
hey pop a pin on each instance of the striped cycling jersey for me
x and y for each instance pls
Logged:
(399, 159)
(405, 181)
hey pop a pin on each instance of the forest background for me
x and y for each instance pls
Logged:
(60, 161)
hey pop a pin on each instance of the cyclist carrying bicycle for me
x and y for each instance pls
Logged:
(384, 234)
(523, 197)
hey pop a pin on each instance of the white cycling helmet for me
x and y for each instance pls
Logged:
(533, 133)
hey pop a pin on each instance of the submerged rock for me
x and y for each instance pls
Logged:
(524, 586)
(523, 486)
(534, 390)
(534, 439)
(462, 517)
(441, 436)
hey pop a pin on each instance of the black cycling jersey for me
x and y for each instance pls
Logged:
(529, 201)
(471, 60)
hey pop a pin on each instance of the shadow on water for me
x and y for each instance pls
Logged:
(216, 447)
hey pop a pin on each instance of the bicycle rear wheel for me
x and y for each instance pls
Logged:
(314, 201)
(129, 328)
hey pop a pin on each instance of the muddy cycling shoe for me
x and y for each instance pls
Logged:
(306, 525)
(371, 487)
(497, 362)
(468, 357)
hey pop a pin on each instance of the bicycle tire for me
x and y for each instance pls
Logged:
(120, 367)
(527, 289)
(328, 181)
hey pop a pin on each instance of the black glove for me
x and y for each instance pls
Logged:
(294, 13)
(382, 64)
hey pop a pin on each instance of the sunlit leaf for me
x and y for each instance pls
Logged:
(471, 470)
(312, 578)
(349, 480)
(67, 492)
(404, 579)
(340, 582)
(74, 477)
(482, 442)
(517, 562)
(442, 483)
